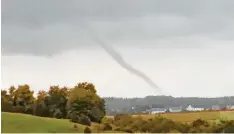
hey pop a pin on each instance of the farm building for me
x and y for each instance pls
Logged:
(156, 110)
(216, 107)
(175, 109)
(230, 107)
(194, 108)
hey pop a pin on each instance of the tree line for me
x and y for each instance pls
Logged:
(124, 105)
(80, 104)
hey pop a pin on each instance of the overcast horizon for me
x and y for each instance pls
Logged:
(185, 47)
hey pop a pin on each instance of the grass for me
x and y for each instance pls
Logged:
(227, 115)
(22, 123)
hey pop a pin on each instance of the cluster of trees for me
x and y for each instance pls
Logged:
(129, 124)
(80, 103)
(124, 105)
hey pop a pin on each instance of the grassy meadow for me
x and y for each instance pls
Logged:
(23, 123)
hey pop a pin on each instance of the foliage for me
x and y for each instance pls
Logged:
(107, 126)
(87, 86)
(225, 127)
(82, 101)
(23, 96)
(80, 118)
(56, 101)
(87, 130)
(159, 124)
(107, 120)
(80, 104)
(18, 100)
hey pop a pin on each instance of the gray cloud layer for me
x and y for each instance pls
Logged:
(50, 27)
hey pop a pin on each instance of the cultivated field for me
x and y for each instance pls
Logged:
(191, 116)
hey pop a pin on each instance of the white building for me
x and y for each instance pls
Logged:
(231, 107)
(156, 110)
(175, 109)
(191, 108)
(216, 107)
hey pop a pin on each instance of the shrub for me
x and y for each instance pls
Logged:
(128, 130)
(79, 118)
(75, 126)
(137, 124)
(199, 122)
(107, 127)
(96, 114)
(84, 120)
(98, 127)
(6, 107)
(122, 116)
(123, 120)
(87, 130)
(18, 109)
(117, 129)
(225, 127)
(107, 120)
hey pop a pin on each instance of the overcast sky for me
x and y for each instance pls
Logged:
(186, 47)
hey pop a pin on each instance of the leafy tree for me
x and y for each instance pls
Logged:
(12, 91)
(23, 96)
(4, 96)
(41, 95)
(56, 101)
(87, 86)
(87, 102)
(6, 104)
(22, 99)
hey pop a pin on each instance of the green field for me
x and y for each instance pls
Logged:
(22, 123)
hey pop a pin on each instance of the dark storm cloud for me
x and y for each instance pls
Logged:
(49, 27)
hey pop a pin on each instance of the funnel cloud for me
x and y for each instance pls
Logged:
(120, 60)
(117, 57)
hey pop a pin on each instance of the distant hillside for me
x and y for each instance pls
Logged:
(125, 104)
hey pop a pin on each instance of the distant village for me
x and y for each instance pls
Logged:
(155, 110)
(188, 108)
(161, 104)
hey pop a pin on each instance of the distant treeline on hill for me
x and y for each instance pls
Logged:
(114, 105)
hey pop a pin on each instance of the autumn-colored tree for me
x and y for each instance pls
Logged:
(4, 96)
(85, 102)
(80, 102)
(22, 95)
(57, 91)
(56, 101)
(21, 99)
(41, 95)
(87, 86)
(6, 104)
(12, 91)
(40, 108)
